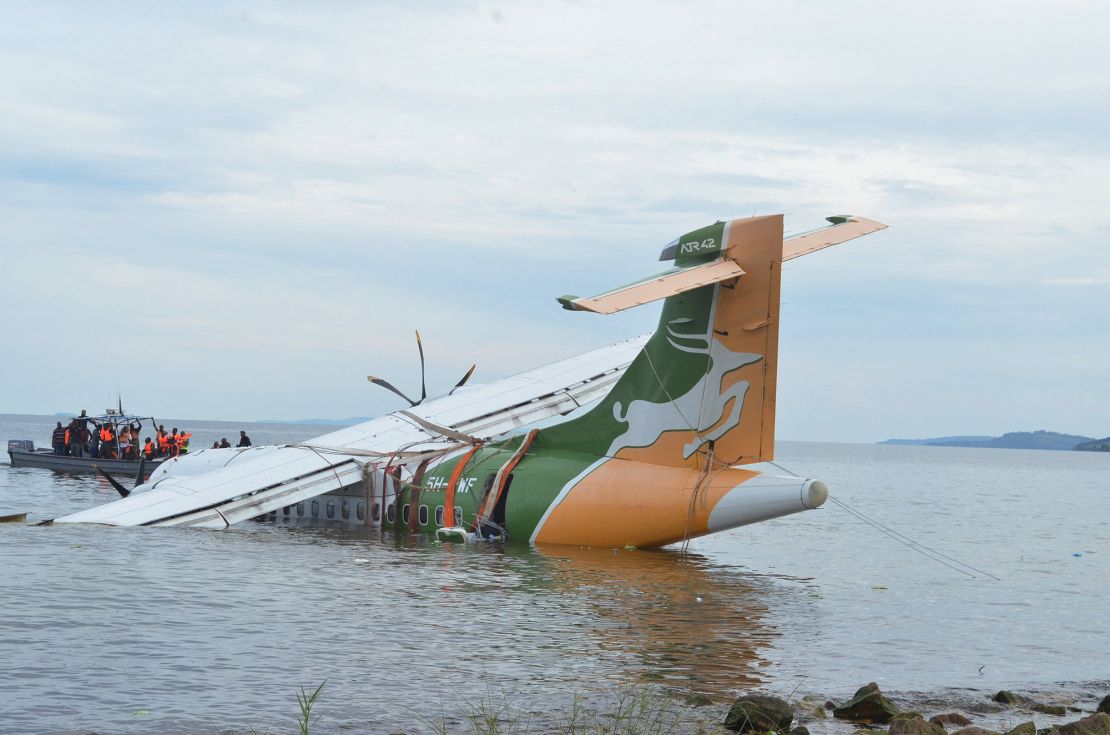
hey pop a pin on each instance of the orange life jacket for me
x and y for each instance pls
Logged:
(67, 436)
(105, 434)
(148, 448)
(163, 442)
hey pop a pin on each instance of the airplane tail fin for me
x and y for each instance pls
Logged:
(706, 380)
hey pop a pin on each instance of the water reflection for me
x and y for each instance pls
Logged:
(656, 616)
(681, 617)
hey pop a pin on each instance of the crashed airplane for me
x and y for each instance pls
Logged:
(644, 443)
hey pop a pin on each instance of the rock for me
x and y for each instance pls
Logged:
(868, 705)
(912, 723)
(952, 718)
(976, 731)
(799, 730)
(820, 713)
(1104, 705)
(1025, 728)
(759, 713)
(1096, 724)
(1006, 697)
(698, 699)
(1049, 709)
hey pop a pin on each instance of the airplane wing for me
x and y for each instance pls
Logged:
(842, 229)
(215, 488)
(672, 282)
(680, 279)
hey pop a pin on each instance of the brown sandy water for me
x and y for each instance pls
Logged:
(164, 630)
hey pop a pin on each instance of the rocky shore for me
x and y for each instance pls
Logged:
(870, 712)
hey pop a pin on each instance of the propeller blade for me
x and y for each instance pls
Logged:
(124, 492)
(465, 378)
(142, 466)
(423, 389)
(389, 387)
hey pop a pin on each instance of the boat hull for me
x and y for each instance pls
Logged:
(46, 459)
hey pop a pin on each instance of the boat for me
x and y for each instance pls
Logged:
(24, 453)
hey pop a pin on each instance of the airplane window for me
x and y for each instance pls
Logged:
(376, 511)
(345, 509)
(300, 509)
(315, 508)
(458, 516)
(331, 509)
(360, 511)
(390, 513)
(423, 515)
(439, 515)
(405, 514)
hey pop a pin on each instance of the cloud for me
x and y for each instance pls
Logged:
(277, 195)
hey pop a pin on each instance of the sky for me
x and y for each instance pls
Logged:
(239, 210)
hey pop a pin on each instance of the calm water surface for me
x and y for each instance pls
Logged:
(180, 631)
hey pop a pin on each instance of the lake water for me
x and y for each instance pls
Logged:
(185, 631)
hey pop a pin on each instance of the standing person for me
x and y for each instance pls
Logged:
(244, 440)
(75, 439)
(183, 441)
(58, 439)
(107, 442)
(224, 443)
(94, 439)
(80, 429)
(125, 442)
(163, 442)
(175, 449)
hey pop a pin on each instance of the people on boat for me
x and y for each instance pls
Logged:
(124, 442)
(81, 423)
(175, 447)
(244, 440)
(58, 439)
(224, 443)
(108, 442)
(163, 442)
(215, 445)
(76, 447)
(183, 441)
(113, 436)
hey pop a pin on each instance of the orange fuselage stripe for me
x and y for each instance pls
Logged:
(449, 501)
(491, 499)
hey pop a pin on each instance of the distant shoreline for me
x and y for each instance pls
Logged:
(1040, 439)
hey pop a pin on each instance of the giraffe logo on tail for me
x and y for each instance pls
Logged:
(698, 409)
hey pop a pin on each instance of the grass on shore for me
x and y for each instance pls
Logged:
(634, 711)
(630, 711)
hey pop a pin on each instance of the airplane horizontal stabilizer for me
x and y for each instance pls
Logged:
(843, 229)
(653, 288)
